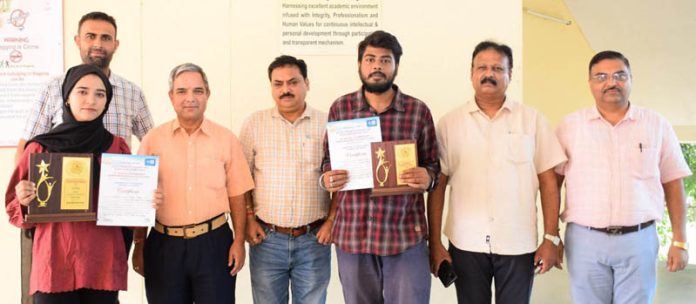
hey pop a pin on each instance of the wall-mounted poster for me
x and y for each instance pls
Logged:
(320, 27)
(31, 51)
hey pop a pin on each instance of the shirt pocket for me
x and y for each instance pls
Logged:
(311, 151)
(212, 170)
(520, 148)
(643, 159)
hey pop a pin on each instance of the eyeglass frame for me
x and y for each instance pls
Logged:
(621, 76)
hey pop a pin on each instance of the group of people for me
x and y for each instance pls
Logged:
(620, 164)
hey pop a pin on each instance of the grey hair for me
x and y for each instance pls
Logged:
(187, 67)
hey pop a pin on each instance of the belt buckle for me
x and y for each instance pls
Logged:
(186, 228)
(614, 230)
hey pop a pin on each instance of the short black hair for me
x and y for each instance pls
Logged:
(97, 16)
(284, 60)
(381, 39)
(498, 47)
(607, 55)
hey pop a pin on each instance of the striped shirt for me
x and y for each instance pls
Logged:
(285, 160)
(128, 113)
(614, 174)
(386, 225)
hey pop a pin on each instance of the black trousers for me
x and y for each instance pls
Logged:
(514, 275)
(80, 296)
(183, 271)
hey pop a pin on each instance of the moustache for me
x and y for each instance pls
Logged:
(288, 94)
(615, 88)
(97, 49)
(490, 80)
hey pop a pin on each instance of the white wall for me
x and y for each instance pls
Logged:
(234, 41)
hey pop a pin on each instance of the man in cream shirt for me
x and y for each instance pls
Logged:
(496, 154)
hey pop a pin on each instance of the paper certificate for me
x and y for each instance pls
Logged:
(126, 185)
(349, 148)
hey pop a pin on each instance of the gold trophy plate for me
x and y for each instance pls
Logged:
(389, 159)
(63, 188)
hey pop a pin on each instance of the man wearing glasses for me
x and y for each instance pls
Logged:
(624, 162)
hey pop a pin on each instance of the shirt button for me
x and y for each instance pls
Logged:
(190, 188)
(371, 219)
(190, 212)
(490, 219)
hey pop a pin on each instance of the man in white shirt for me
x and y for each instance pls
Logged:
(496, 154)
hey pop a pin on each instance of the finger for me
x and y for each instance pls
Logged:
(670, 264)
(238, 263)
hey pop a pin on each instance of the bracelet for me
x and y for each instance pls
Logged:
(321, 181)
(138, 241)
(682, 245)
(250, 212)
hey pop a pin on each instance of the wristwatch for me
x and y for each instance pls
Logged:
(682, 245)
(555, 240)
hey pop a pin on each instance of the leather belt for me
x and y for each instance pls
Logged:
(296, 231)
(193, 230)
(619, 230)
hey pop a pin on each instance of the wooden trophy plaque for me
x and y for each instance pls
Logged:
(63, 188)
(389, 159)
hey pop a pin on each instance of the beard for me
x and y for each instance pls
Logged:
(378, 88)
(100, 62)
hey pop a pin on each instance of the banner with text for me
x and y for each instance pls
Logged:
(31, 51)
(326, 27)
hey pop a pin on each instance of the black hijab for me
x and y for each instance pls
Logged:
(72, 136)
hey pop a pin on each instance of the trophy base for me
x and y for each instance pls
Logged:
(61, 217)
(399, 190)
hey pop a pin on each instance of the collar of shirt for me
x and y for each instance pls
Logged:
(204, 128)
(397, 103)
(632, 113)
(472, 106)
(113, 79)
(308, 113)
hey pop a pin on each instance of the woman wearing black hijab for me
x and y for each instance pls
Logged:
(73, 262)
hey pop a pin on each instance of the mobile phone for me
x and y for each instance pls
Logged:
(446, 273)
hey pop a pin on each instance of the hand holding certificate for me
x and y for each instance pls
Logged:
(126, 188)
(349, 148)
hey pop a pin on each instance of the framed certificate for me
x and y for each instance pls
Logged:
(63, 188)
(389, 159)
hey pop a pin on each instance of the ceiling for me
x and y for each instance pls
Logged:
(658, 38)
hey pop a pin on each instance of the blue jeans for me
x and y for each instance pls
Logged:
(282, 260)
(402, 278)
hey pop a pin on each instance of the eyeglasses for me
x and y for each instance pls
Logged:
(618, 77)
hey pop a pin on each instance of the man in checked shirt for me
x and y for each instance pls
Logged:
(286, 229)
(381, 241)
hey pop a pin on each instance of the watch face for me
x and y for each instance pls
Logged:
(555, 240)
